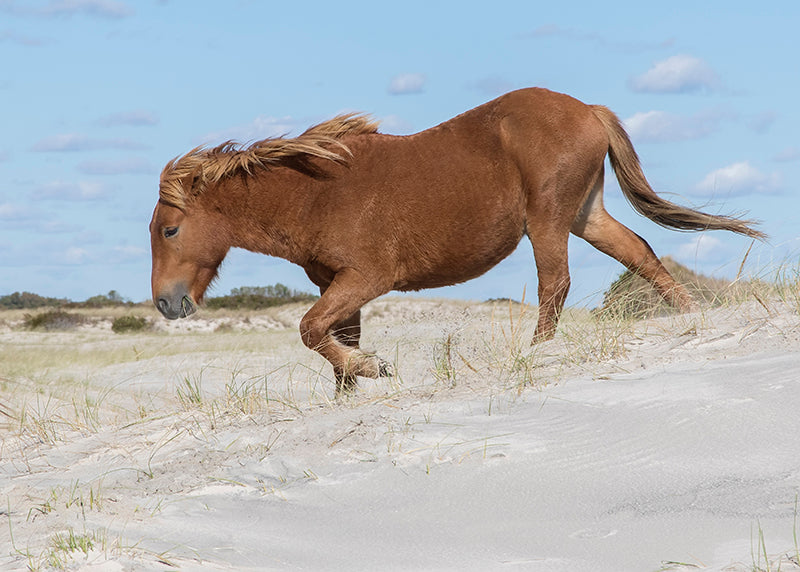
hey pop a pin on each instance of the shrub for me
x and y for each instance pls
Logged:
(53, 320)
(125, 324)
(630, 296)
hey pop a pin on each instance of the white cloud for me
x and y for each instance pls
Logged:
(677, 74)
(407, 83)
(738, 179)
(660, 126)
(701, 247)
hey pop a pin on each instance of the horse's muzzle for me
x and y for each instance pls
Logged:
(174, 307)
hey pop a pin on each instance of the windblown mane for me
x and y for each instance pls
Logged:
(186, 177)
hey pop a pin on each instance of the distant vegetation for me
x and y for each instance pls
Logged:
(259, 297)
(244, 298)
(29, 301)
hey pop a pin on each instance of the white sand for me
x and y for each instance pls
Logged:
(677, 441)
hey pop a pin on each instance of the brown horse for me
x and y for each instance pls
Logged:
(365, 213)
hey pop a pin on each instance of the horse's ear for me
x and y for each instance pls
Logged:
(192, 181)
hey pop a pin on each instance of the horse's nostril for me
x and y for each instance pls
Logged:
(163, 306)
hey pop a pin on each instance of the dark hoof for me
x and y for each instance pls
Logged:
(346, 384)
(385, 369)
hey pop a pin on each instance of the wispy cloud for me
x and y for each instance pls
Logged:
(762, 122)
(553, 30)
(111, 9)
(701, 248)
(68, 142)
(677, 74)
(660, 126)
(130, 166)
(75, 255)
(493, 85)
(98, 8)
(136, 118)
(788, 154)
(15, 213)
(396, 124)
(739, 179)
(80, 191)
(407, 83)
(17, 38)
(261, 127)
(127, 253)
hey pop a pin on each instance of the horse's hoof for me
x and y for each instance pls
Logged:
(346, 384)
(385, 369)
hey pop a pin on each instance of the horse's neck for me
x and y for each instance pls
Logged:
(265, 212)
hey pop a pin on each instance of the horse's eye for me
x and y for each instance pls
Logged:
(170, 231)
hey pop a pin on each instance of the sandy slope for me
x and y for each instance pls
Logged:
(613, 447)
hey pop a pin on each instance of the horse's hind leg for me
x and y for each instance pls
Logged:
(606, 234)
(552, 267)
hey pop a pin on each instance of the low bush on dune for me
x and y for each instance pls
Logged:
(630, 296)
(53, 320)
(129, 324)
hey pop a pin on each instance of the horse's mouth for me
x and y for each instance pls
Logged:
(171, 311)
(187, 307)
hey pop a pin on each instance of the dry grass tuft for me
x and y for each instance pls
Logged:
(630, 296)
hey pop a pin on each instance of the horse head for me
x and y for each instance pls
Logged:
(187, 247)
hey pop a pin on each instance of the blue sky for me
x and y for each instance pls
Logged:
(97, 95)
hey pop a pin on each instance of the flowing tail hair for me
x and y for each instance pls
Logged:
(643, 198)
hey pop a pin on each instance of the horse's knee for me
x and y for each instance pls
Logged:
(312, 333)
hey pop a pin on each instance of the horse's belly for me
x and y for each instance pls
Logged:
(456, 259)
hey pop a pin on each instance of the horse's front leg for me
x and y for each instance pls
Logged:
(349, 331)
(332, 327)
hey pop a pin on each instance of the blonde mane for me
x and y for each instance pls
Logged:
(188, 176)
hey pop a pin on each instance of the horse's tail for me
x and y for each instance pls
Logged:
(637, 190)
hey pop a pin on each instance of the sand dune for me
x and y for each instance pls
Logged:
(215, 444)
